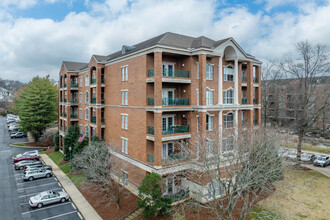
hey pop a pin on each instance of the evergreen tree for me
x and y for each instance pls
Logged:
(37, 105)
(70, 140)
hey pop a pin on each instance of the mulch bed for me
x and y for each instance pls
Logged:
(50, 150)
(299, 167)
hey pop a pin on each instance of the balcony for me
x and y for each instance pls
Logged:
(255, 121)
(151, 101)
(102, 121)
(64, 100)
(244, 101)
(175, 129)
(244, 122)
(74, 85)
(255, 101)
(255, 79)
(102, 100)
(150, 158)
(65, 115)
(93, 100)
(74, 100)
(61, 113)
(93, 120)
(64, 85)
(182, 194)
(102, 79)
(244, 79)
(61, 86)
(173, 158)
(175, 101)
(151, 130)
(93, 80)
(65, 129)
(171, 73)
(74, 116)
(61, 100)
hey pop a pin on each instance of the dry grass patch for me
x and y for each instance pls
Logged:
(300, 195)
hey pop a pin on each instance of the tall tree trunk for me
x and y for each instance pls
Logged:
(300, 139)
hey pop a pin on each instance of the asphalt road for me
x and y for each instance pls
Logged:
(9, 203)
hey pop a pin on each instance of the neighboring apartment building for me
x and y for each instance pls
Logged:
(147, 97)
(279, 101)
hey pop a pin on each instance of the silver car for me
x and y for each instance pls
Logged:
(23, 163)
(36, 167)
(322, 160)
(307, 158)
(47, 197)
(35, 174)
(32, 153)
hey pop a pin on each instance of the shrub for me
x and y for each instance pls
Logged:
(56, 148)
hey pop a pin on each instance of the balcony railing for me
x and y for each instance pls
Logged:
(61, 100)
(102, 120)
(93, 100)
(255, 79)
(151, 101)
(244, 79)
(74, 116)
(61, 113)
(102, 79)
(93, 80)
(61, 128)
(61, 86)
(64, 85)
(244, 101)
(255, 101)
(74, 100)
(74, 84)
(64, 114)
(173, 158)
(175, 129)
(179, 195)
(151, 130)
(255, 121)
(64, 100)
(102, 100)
(93, 119)
(65, 129)
(175, 101)
(150, 158)
(171, 73)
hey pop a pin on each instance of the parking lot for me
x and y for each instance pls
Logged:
(26, 189)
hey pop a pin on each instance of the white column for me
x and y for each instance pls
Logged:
(220, 131)
(220, 98)
(236, 81)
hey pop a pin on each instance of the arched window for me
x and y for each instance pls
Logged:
(229, 120)
(228, 96)
(87, 80)
(86, 114)
(86, 97)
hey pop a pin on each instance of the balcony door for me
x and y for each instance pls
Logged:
(168, 186)
(167, 122)
(168, 96)
(168, 149)
(168, 69)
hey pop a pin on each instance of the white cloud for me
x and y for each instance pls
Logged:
(21, 4)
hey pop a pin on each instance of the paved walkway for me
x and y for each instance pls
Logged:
(324, 170)
(79, 200)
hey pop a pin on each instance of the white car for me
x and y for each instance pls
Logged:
(47, 197)
(292, 155)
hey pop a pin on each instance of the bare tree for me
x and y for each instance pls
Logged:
(229, 176)
(103, 170)
(310, 98)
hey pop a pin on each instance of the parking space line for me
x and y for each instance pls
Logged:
(73, 206)
(35, 181)
(80, 216)
(68, 213)
(40, 209)
(36, 193)
(59, 184)
(35, 186)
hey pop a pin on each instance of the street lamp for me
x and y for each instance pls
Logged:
(70, 160)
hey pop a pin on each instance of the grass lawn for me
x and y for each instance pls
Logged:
(20, 145)
(308, 147)
(301, 195)
(77, 179)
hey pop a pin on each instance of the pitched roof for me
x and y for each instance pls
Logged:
(75, 66)
(283, 82)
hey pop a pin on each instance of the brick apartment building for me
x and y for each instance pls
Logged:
(279, 102)
(147, 97)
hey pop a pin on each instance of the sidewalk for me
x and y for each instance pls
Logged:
(79, 200)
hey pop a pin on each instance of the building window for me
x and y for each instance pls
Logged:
(229, 120)
(209, 72)
(87, 80)
(197, 96)
(209, 96)
(86, 130)
(197, 70)
(124, 147)
(228, 144)
(168, 186)
(228, 96)
(124, 97)
(80, 98)
(215, 189)
(80, 129)
(124, 73)
(124, 178)
(80, 81)
(197, 118)
(209, 148)
(86, 97)
(80, 113)
(229, 74)
(86, 114)
(124, 121)
(209, 122)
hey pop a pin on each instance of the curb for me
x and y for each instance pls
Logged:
(87, 211)
(41, 148)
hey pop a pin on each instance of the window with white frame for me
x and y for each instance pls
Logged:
(209, 96)
(197, 96)
(86, 114)
(197, 70)
(228, 74)
(229, 120)
(209, 122)
(124, 97)
(209, 71)
(228, 144)
(124, 145)
(86, 97)
(197, 122)
(124, 177)
(87, 80)
(209, 148)
(124, 73)
(80, 113)
(228, 96)
(80, 98)
(124, 121)
(215, 189)
(86, 130)
(80, 81)
(168, 186)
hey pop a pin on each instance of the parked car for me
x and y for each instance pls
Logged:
(31, 153)
(308, 158)
(26, 157)
(292, 155)
(22, 164)
(35, 174)
(48, 197)
(14, 130)
(18, 135)
(38, 166)
(322, 160)
(282, 152)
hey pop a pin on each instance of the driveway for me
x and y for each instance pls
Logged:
(324, 170)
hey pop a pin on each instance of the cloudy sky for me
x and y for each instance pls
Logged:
(37, 35)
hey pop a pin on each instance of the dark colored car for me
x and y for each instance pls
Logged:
(25, 157)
